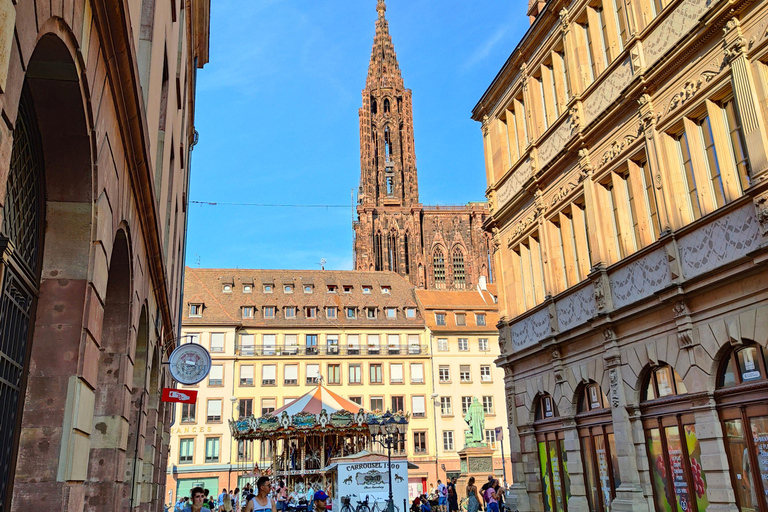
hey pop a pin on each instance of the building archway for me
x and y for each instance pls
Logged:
(553, 464)
(47, 220)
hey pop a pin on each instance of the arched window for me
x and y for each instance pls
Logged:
(598, 447)
(553, 463)
(674, 452)
(745, 423)
(438, 266)
(459, 274)
(386, 106)
(374, 107)
(390, 183)
(392, 247)
(387, 144)
(378, 253)
(407, 254)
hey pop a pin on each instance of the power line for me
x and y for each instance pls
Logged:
(269, 205)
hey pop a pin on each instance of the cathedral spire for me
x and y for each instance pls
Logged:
(383, 70)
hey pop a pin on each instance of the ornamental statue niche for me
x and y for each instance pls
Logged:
(475, 418)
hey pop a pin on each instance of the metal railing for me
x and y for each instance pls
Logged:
(333, 350)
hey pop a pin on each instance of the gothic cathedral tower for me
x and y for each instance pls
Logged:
(389, 232)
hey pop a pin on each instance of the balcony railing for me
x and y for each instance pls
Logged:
(333, 350)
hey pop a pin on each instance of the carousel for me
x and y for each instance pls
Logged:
(299, 440)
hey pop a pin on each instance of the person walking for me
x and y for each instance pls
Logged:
(453, 497)
(226, 503)
(262, 501)
(442, 496)
(473, 500)
(282, 496)
(491, 498)
(198, 497)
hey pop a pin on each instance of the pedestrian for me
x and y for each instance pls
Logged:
(321, 501)
(198, 497)
(226, 504)
(453, 497)
(221, 497)
(425, 505)
(473, 500)
(442, 495)
(181, 504)
(282, 496)
(236, 499)
(491, 501)
(262, 501)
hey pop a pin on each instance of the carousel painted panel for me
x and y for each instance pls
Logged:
(357, 480)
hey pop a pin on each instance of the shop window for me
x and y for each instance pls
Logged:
(674, 451)
(598, 448)
(745, 423)
(553, 463)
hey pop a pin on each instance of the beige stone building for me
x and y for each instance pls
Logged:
(97, 102)
(464, 343)
(625, 146)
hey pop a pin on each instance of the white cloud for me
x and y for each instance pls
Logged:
(484, 50)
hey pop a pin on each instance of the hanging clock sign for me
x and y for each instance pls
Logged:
(189, 363)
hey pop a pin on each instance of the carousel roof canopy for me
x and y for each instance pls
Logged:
(316, 400)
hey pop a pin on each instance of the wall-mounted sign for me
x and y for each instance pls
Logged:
(190, 363)
(179, 396)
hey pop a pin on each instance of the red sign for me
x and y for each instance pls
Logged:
(180, 396)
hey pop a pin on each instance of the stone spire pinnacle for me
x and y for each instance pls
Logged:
(383, 70)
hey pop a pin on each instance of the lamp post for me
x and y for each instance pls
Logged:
(387, 432)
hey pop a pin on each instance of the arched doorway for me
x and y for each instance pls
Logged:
(47, 224)
(742, 402)
(598, 447)
(21, 242)
(674, 452)
(553, 463)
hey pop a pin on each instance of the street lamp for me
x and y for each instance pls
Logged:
(388, 432)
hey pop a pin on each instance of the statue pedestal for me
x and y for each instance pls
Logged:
(476, 461)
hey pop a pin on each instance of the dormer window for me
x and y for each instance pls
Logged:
(347, 288)
(267, 288)
(332, 288)
(247, 311)
(366, 289)
(247, 288)
(195, 310)
(227, 288)
(371, 313)
(410, 312)
(269, 311)
(288, 288)
(307, 288)
(461, 319)
(386, 290)
(351, 313)
(290, 312)
(311, 312)
(440, 318)
(391, 313)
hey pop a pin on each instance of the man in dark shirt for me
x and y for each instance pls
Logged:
(453, 497)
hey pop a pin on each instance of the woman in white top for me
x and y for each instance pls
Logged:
(262, 502)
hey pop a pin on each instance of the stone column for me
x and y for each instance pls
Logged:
(629, 495)
(656, 162)
(714, 462)
(578, 501)
(569, 46)
(744, 91)
(518, 492)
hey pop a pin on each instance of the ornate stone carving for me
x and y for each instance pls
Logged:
(484, 126)
(562, 193)
(609, 334)
(575, 118)
(734, 42)
(564, 20)
(685, 338)
(761, 209)
(559, 376)
(503, 344)
(555, 354)
(599, 293)
(613, 374)
(617, 147)
(680, 309)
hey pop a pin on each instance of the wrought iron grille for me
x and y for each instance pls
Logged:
(21, 227)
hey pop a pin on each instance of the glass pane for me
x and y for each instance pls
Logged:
(545, 483)
(729, 377)
(748, 366)
(699, 483)
(740, 467)
(760, 436)
(602, 469)
(589, 470)
(677, 465)
(557, 483)
(664, 380)
(660, 478)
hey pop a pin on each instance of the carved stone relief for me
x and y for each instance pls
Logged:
(639, 279)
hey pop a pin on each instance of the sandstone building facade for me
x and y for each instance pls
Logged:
(97, 126)
(625, 146)
(434, 247)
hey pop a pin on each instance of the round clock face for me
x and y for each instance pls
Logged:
(190, 363)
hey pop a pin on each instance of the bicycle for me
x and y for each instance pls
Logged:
(345, 504)
(362, 506)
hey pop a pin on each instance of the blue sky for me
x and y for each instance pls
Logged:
(277, 113)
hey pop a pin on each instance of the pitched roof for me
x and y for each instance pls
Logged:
(468, 302)
(206, 287)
